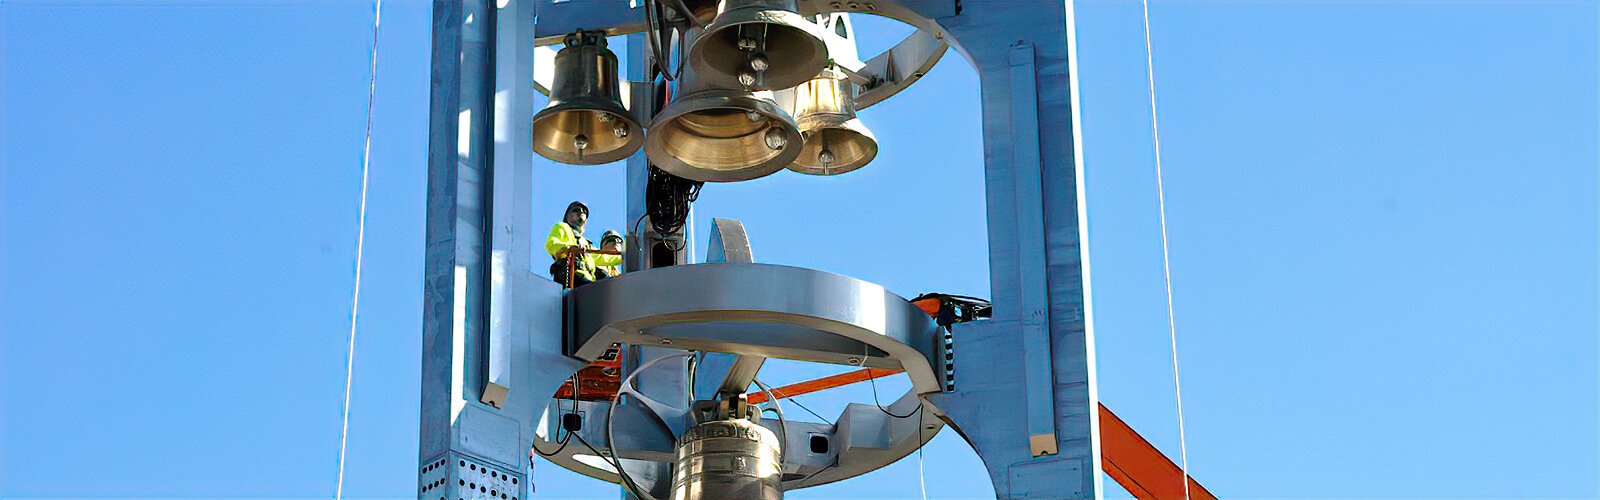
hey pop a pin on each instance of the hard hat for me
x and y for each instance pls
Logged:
(610, 235)
(577, 205)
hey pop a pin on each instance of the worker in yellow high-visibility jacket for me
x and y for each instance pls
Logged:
(612, 241)
(566, 240)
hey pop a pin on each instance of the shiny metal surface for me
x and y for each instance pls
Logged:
(585, 122)
(719, 374)
(721, 135)
(774, 311)
(746, 29)
(835, 140)
(728, 459)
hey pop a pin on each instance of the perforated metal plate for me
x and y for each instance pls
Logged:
(459, 477)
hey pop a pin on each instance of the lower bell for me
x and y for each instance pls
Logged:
(835, 140)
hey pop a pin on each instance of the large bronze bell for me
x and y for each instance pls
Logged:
(835, 140)
(585, 122)
(758, 45)
(713, 134)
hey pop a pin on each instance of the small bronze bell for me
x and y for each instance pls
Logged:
(758, 45)
(585, 122)
(721, 135)
(835, 139)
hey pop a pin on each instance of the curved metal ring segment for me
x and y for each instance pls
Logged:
(762, 309)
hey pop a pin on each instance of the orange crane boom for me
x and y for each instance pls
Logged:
(1138, 466)
(1126, 456)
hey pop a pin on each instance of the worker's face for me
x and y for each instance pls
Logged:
(577, 217)
(612, 244)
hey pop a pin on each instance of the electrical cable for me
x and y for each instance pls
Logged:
(626, 386)
(694, 371)
(683, 9)
(1166, 259)
(922, 473)
(814, 474)
(874, 381)
(783, 425)
(361, 240)
(654, 20)
(667, 201)
(802, 406)
(627, 483)
(562, 445)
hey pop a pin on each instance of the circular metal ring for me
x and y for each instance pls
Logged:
(763, 309)
(774, 311)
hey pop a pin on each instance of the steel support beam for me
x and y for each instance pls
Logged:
(1038, 261)
(491, 329)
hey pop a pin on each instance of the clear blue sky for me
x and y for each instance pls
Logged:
(1383, 220)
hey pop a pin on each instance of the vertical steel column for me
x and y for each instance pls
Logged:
(491, 335)
(643, 106)
(1037, 354)
(454, 289)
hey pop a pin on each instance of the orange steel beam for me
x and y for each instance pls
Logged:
(1139, 467)
(1125, 455)
(823, 383)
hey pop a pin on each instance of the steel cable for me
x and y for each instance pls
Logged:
(361, 237)
(1166, 259)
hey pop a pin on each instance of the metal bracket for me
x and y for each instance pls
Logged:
(1035, 292)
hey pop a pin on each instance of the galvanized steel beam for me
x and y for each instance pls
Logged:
(1041, 332)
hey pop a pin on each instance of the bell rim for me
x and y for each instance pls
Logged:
(633, 144)
(818, 122)
(757, 14)
(655, 151)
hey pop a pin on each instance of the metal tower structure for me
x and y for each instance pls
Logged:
(498, 339)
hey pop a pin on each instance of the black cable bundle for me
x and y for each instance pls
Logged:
(667, 198)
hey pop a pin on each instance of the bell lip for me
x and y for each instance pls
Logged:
(757, 13)
(635, 140)
(721, 98)
(852, 125)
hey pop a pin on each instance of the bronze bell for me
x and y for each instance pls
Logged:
(835, 140)
(758, 45)
(713, 134)
(585, 122)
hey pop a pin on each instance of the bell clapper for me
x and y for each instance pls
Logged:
(825, 156)
(757, 62)
(747, 44)
(775, 139)
(580, 142)
(750, 75)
